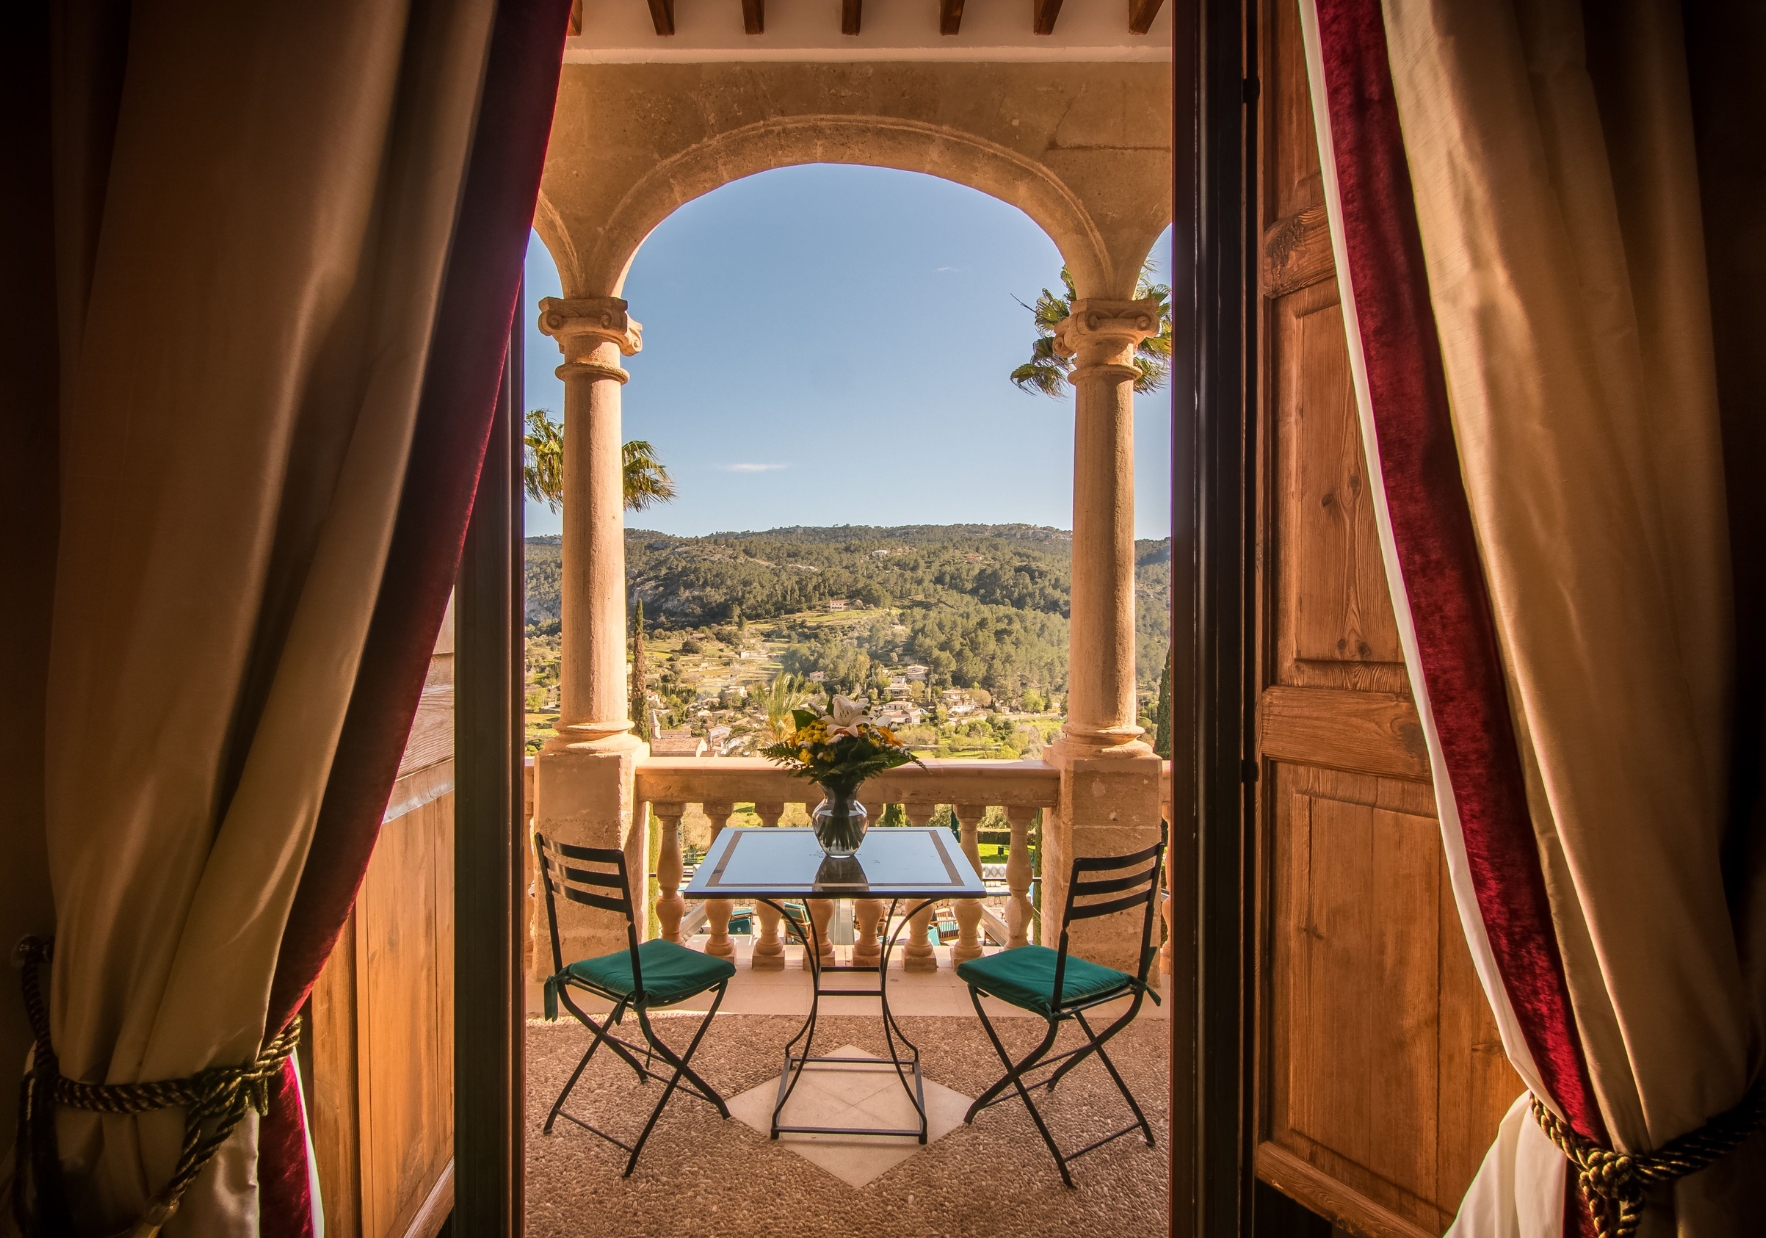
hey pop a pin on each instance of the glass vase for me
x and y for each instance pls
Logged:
(839, 822)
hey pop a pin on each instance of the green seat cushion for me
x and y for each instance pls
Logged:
(1025, 977)
(671, 973)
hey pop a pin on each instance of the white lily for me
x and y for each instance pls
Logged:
(844, 718)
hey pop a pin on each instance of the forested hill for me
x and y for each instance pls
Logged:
(980, 604)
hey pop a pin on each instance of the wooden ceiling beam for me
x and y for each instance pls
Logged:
(850, 16)
(754, 16)
(662, 16)
(1043, 16)
(950, 16)
(1141, 14)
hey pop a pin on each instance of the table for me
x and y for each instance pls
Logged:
(771, 864)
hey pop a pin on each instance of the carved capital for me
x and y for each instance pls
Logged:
(585, 327)
(1104, 333)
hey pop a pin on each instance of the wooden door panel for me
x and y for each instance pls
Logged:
(407, 1101)
(1333, 616)
(1359, 970)
(1380, 1076)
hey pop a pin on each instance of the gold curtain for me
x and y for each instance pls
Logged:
(248, 279)
(1556, 190)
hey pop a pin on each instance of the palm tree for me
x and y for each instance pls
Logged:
(784, 694)
(646, 480)
(1047, 370)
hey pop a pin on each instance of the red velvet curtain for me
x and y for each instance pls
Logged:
(1524, 288)
(1443, 578)
(459, 395)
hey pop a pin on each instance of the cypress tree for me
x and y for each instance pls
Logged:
(640, 703)
(1162, 712)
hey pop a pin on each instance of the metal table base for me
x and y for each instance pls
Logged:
(797, 1063)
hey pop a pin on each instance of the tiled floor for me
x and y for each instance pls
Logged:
(851, 1095)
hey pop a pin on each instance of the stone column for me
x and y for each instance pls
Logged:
(584, 775)
(592, 332)
(1109, 775)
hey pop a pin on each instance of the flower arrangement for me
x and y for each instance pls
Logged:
(838, 749)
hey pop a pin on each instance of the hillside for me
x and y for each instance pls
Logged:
(980, 605)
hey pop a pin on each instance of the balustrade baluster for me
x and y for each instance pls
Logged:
(670, 907)
(719, 910)
(769, 949)
(821, 910)
(865, 949)
(919, 955)
(1018, 906)
(969, 909)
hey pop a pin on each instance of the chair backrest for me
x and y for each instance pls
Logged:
(1135, 884)
(593, 877)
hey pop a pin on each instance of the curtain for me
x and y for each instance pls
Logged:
(1516, 220)
(288, 245)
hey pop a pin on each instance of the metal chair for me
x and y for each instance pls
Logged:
(1060, 987)
(640, 978)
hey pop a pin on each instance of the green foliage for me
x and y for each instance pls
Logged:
(818, 751)
(1047, 370)
(781, 701)
(979, 605)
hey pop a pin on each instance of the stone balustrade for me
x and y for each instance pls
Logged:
(1019, 788)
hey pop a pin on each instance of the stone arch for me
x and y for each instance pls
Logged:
(789, 141)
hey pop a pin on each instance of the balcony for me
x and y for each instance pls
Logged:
(993, 1177)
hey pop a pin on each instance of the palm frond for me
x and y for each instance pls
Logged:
(646, 478)
(542, 466)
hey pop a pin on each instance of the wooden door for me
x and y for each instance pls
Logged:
(380, 1049)
(1380, 1075)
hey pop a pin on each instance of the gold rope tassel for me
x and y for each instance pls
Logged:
(214, 1100)
(1615, 1185)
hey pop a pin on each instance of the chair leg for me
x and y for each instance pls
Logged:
(683, 1062)
(1014, 1076)
(681, 1068)
(1097, 1043)
(603, 1035)
(594, 1043)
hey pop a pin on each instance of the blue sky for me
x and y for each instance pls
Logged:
(829, 345)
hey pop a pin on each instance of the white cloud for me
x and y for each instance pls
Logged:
(751, 468)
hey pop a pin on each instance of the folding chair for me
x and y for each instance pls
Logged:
(640, 978)
(1059, 987)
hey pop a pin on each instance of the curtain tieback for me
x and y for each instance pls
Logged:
(1614, 1185)
(215, 1101)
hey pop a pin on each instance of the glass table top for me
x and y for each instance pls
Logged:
(894, 862)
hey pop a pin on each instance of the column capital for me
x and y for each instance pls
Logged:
(584, 326)
(1105, 333)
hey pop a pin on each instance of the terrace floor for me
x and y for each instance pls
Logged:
(700, 1175)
